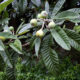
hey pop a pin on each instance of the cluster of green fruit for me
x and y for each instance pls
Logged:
(43, 16)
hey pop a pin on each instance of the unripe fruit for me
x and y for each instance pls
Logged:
(51, 25)
(44, 14)
(11, 28)
(40, 33)
(33, 22)
(2, 38)
(39, 16)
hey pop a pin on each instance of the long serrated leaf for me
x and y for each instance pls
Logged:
(37, 45)
(24, 29)
(4, 21)
(57, 7)
(66, 15)
(76, 20)
(75, 44)
(74, 38)
(20, 26)
(1, 44)
(7, 35)
(25, 5)
(76, 10)
(4, 55)
(18, 44)
(22, 5)
(15, 48)
(61, 38)
(47, 6)
(5, 58)
(4, 4)
(1, 48)
(36, 2)
(15, 5)
(49, 56)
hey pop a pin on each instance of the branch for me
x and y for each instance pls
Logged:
(26, 44)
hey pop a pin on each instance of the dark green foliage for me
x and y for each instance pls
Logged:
(2, 76)
(26, 56)
(69, 71)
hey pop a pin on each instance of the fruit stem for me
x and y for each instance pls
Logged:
(43, 25)
(13, 32)
(46, 26)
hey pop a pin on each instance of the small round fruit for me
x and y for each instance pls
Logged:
(11, 28)
(2, 38)
(40, 33)
(33, 22)
(39, 16)
(44, 14)
(51, 25)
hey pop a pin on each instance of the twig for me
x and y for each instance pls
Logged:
(26, 44)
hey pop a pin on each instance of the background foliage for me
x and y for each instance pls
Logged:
(25, 56)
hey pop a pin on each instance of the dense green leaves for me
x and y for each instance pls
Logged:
(20, 6)
(61, 37)
(24, 43)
